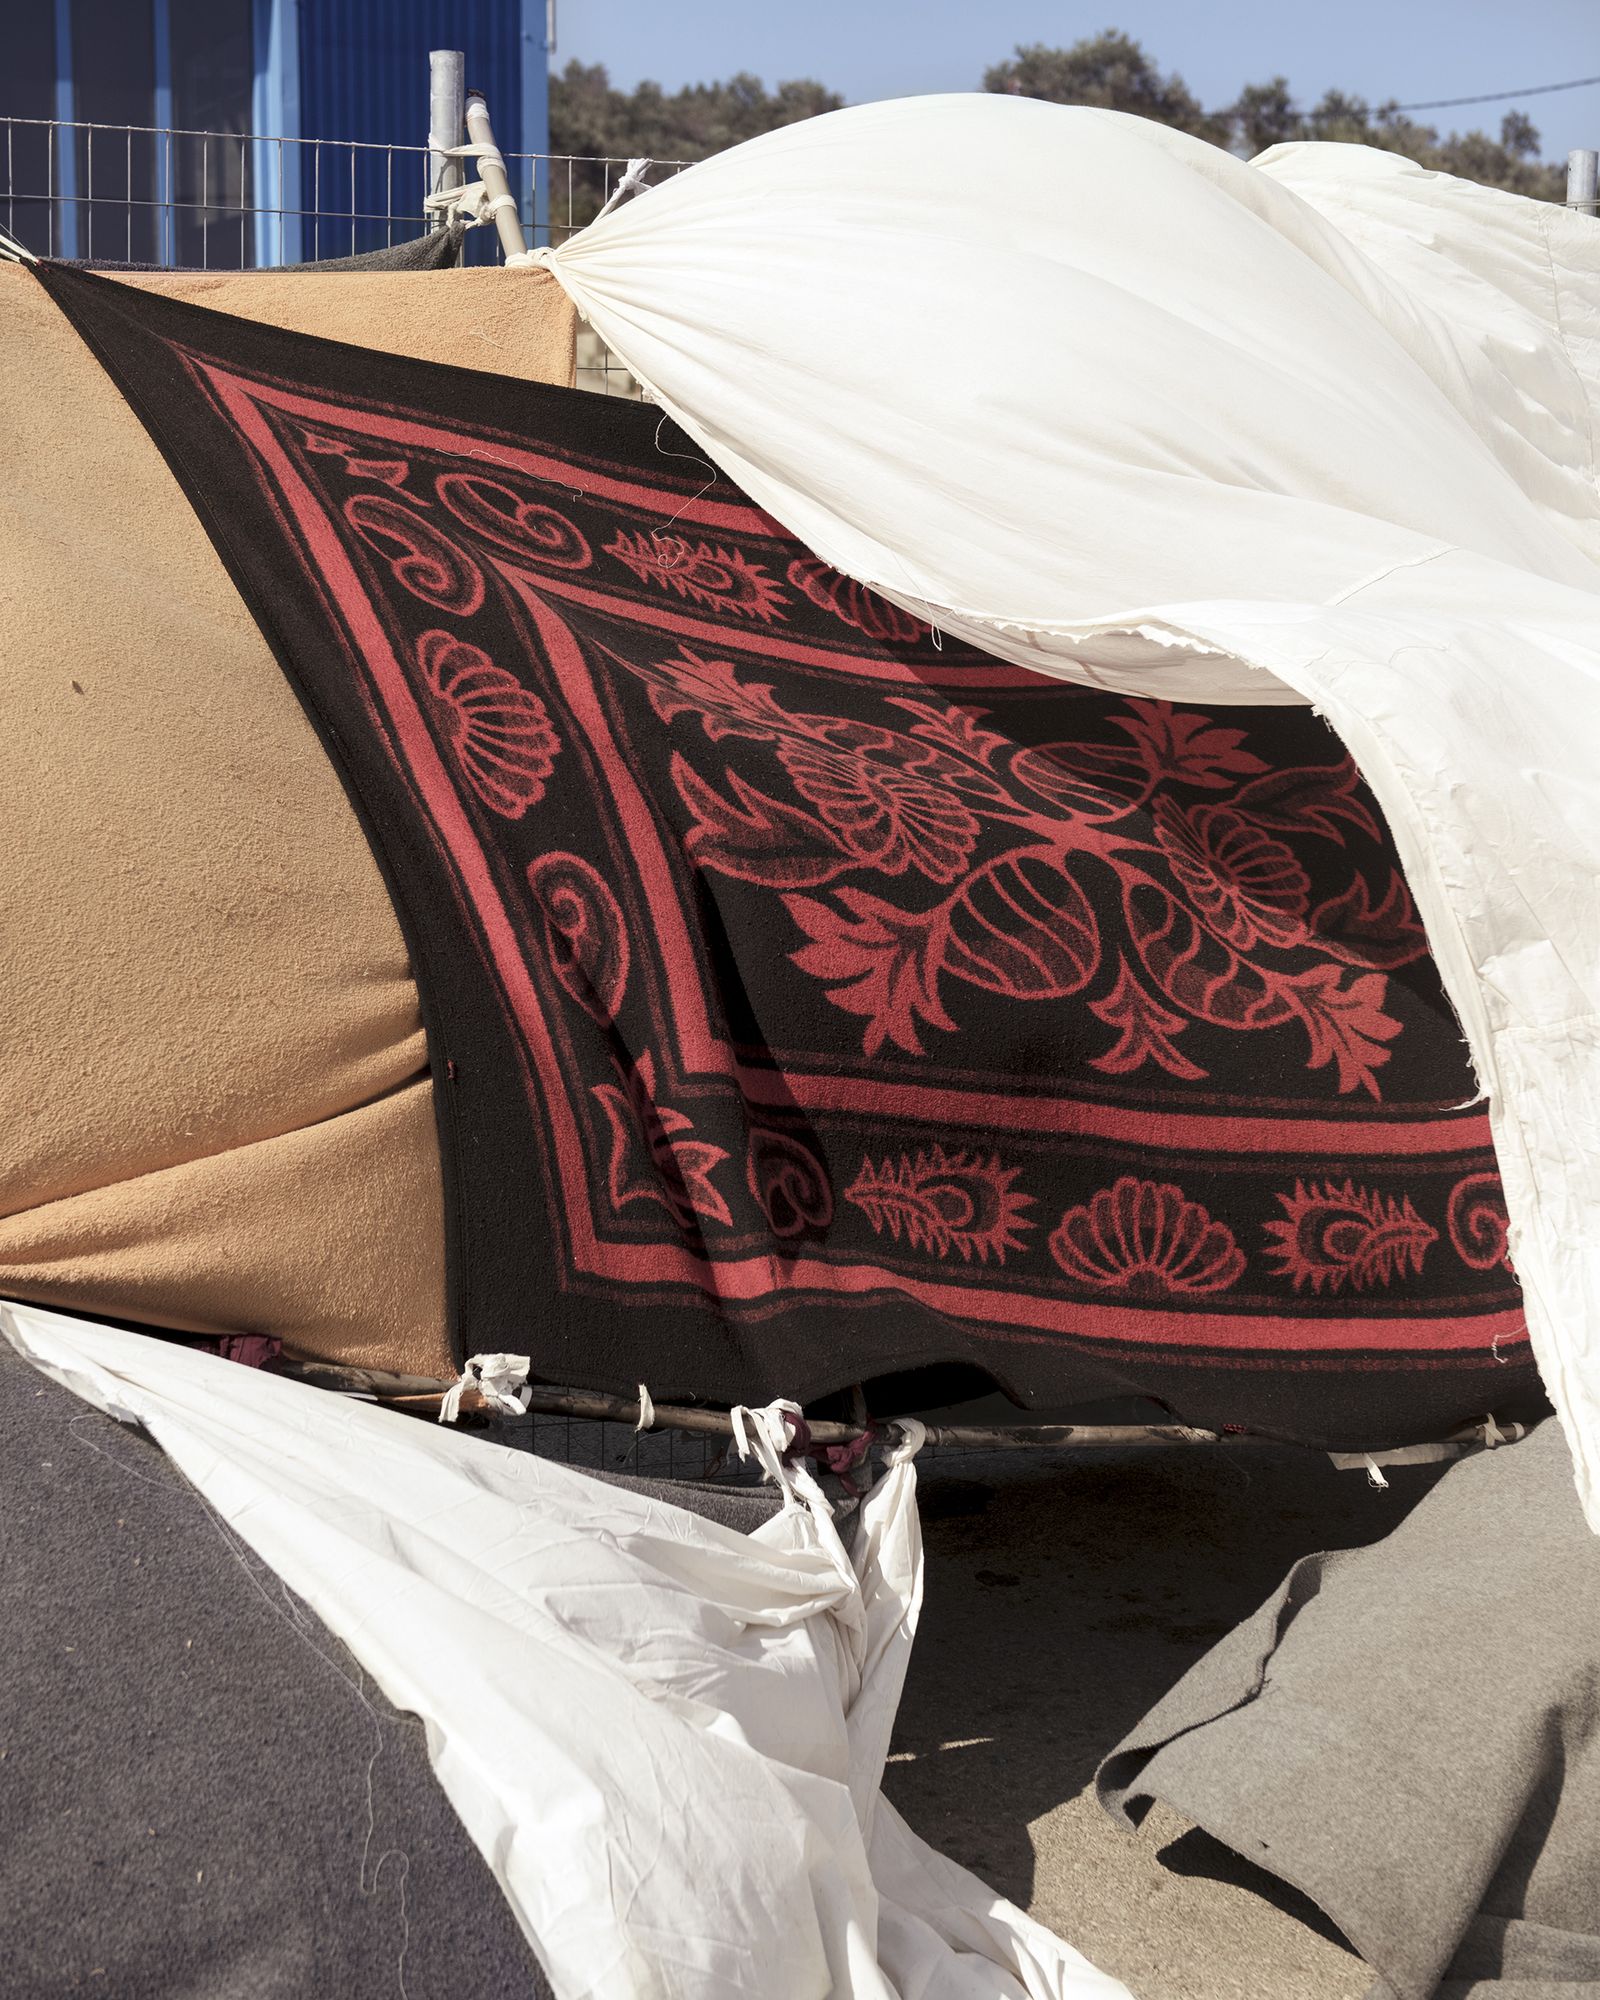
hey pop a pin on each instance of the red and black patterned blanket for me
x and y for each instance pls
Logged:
(810, 999)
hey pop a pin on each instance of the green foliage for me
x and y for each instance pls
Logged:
(589, 116)
(1112, 70)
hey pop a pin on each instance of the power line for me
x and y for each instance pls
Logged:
(1499, 96)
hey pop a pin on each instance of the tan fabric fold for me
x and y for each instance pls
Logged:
(517, 322)
(201, 975)
(331, 1237)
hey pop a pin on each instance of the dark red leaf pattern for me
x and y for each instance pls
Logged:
(853, 602)
(499, 733)
(652, 1157)
(1146, 1240)
(1336, 1234)
(1144, 1030)
(789, 1183)
(945, 1202)
(722, 581)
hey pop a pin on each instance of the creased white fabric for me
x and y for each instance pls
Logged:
(664, 1737)
(1105, 401)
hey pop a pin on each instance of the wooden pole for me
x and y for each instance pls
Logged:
(716, 1423)
(1583, 180)
(447, 96)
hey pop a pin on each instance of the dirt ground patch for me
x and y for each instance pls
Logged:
(1065, 1595)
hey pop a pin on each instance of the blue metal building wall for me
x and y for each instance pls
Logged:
(363, 74)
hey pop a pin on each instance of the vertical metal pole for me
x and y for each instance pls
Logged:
(277, 155)
(65, 157)
(165, 212)
(1583, 180)
(538, 45)
(447, 112)
(492, 172)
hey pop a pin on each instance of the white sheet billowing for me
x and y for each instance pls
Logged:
(1105, 401)
(665, 1738)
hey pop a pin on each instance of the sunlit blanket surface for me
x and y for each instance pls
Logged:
(811, 997)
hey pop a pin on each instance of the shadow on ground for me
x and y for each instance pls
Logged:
(1065, 1595)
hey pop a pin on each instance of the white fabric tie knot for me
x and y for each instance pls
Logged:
(501, 1380)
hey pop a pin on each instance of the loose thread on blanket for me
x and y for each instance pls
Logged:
(660, 535)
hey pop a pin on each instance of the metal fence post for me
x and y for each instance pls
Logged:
(1583, 180)
(492, 170)
(447, 111)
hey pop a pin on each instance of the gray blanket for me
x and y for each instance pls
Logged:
(201, 1794)
(438, 250)
(1410, 1735)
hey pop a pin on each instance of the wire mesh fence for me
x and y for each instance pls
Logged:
(170, 198)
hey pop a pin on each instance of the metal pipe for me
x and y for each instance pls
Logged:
(1583, 180)
(447, 96)
(492, 172)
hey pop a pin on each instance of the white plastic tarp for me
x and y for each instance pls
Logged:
(1105, 401)
(664, 1737)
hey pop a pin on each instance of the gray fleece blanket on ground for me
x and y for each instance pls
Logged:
(202, 1796)
(1410, 1735)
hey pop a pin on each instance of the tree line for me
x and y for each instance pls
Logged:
(589, 116)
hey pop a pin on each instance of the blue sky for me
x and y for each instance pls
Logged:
(1406, 49)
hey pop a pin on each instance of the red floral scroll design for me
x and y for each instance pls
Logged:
(513, 523)
(1219, 923)
(498, 731)
(1145, 1239)
(945, 1202)
(723, 581)
(1337, 1234)
(422, 560)
(852, 602)
(652, 1157)
(789, 1183)
(1478, 1224)
(586, 934)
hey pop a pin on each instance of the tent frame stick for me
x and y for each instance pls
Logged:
(717, 1423)
(492, 172)
(593, 1407)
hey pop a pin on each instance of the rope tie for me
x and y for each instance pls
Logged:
(501, 1380)
(13, 251)
(913, 1436)
(632, 182)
